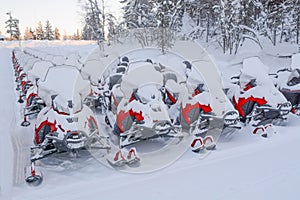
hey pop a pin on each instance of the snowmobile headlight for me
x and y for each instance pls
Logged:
(231, 118)
(285, 108)
(75, 140)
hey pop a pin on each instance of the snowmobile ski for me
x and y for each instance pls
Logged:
(200, 144)
(120, 161)
(35, 178)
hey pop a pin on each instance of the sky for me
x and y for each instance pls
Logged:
(63, 14)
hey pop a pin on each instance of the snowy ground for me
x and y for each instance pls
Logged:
(244, 166)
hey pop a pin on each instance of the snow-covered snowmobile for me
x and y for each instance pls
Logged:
(64, 127)
(255, 97)
(105, 93)
(288, 83)
(144, 118)
(196, 112)
(66, 124)
(144, 115)
(33, 102)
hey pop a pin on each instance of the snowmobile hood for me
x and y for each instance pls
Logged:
(64, 123)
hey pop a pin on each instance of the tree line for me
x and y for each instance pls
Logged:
(227, 22)
(159, 22)
(41, 32)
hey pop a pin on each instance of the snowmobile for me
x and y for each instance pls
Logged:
(288, 83)
(196, 117)
(64, 127)
(108, 92)
(152, 113)
(255, 97)
(144, 115)
(33, 104)
(65, 124)
(196, 112)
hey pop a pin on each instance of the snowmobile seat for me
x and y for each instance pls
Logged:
(291, 96)
(247, 109)
(169, 76)
(187, 64)
(294, 78)
(121, 70)
(113, 80)
(193, 115)
(271, 114)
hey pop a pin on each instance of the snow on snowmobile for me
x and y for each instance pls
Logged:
(197, 112)
(34, 103)
(288, 83)
(21, 77)
(107, 94)
(256, 98)
(23, 63)
(66, 124)
(143, 115)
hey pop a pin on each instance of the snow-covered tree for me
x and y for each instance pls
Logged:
(48, 32)
(94, 20)
(296, 17)
(77, 35)
(204, 14)
(12, 25)
(28, 35)
(233, 29)
(111, 26)
(169, 20)
(56, 34)
(87, 33)
(139, 13)
(39, 32)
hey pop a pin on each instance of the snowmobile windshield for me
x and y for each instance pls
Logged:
(294, 78)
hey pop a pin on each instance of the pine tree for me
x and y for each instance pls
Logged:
(39, 32)
(77, 35)
(168, 22)
(94, 20)
(296, 19)
(87, 33)
(28, 35)
(48, 33)
(139, 13)
(56, 34)
(13, 27)
(111, 22)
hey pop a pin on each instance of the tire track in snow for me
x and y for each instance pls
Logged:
(6, 124)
